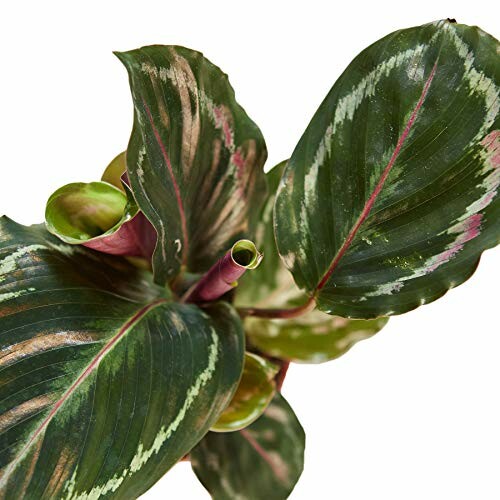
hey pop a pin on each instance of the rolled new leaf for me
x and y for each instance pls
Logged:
(100, 216)
(255, 391)
(223, 275)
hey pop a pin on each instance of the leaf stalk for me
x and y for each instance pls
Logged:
(293, 312)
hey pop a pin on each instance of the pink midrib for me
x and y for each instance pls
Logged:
(263, 454)
(378, 188)
(177, 190)
(82, 377)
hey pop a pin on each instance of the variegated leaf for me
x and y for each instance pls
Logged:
(263, 461)
(315, 337)
(391, 194)
(104, 383)
(194, 159)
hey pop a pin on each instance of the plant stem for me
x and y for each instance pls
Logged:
(280, 378)
(223, 275)
(294, 312)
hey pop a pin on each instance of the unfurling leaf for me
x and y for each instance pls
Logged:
(104, 382)
(264, 460)
(255, 391)
(223, 276)
(194, 159)
(100, 216)
(391, 194)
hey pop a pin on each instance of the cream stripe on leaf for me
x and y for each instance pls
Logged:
(391, 194)
(195, 159)
(104, 382)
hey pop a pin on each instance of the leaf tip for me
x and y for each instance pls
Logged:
(123, 57)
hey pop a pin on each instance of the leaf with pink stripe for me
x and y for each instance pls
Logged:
(264, 460)
(391, 194)
(194, 159)
(105, 382)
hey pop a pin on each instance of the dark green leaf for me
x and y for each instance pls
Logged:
(391, 194)
(263, 461)
(194, 159)
(104, 383)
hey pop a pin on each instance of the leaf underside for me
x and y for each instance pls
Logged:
(194, 159)
(391, 194)
(313, 338)
(104, 383)
(255, 391)
(264, 460)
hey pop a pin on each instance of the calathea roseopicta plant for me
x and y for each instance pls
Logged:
(126, 345)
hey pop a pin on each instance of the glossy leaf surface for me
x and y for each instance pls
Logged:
(254, 393)
(104, 383)
(264, 460)
(391, 194)
(194, 159)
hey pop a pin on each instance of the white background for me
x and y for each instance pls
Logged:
(413, 413)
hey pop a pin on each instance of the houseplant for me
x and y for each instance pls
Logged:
(122, 335)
